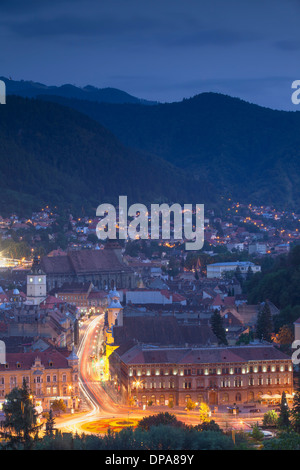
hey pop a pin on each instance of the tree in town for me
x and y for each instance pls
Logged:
(58, 406)
(270, 418)
(166, 419)
(20, 423)
(50, 424)
(249, 274)
(264, 323)
(285, 335)
(204, 412)
(190, 405)
(218, 329)
(239, 276)
(208, 426)
(256, 433)
(284, 415)
(295, 412)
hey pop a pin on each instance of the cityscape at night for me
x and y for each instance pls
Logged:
(150, 228)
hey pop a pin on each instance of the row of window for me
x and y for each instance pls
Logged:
(72, 297)
(213, 371)
(226, 382)
(37, 379)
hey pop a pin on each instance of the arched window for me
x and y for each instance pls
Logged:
(225, 398)
(200, 398)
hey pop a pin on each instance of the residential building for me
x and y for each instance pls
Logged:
(218, 270)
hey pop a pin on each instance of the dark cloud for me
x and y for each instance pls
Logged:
(160, 50)
(213, 37)
(81, 26)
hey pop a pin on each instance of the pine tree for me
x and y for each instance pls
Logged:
(295, 412)
(218, 329)
(239, 276)
(264, 324)
(20, 422)
(284, 416)
(249, 275)
(50, 424)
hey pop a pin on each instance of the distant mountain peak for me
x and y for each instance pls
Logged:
(31, 89)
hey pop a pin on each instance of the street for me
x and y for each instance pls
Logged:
(103, 407)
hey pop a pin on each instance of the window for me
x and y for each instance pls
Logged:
(13, 381)
(237, 382)
(225, 398)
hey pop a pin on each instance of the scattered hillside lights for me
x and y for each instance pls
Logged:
(138, 227)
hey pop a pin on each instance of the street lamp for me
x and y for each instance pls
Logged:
(137, 384)
(70, 388)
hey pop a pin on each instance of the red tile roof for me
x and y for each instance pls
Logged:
(26, 360)
(215, 355)
(83, 261)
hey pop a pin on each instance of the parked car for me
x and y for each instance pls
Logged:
(254, 410)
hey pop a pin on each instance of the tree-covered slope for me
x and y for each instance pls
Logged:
(30, 89)
(249, 152)
(56, 155)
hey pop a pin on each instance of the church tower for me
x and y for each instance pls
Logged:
(36, 284)
(115, 318)
(115, 309)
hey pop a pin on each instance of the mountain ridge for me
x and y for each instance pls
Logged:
(56, 155)
(31, 89)
(225, 140)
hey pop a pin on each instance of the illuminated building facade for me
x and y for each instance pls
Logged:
(217, 376)
(50, 375)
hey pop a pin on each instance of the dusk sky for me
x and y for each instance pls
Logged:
(163, 50)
